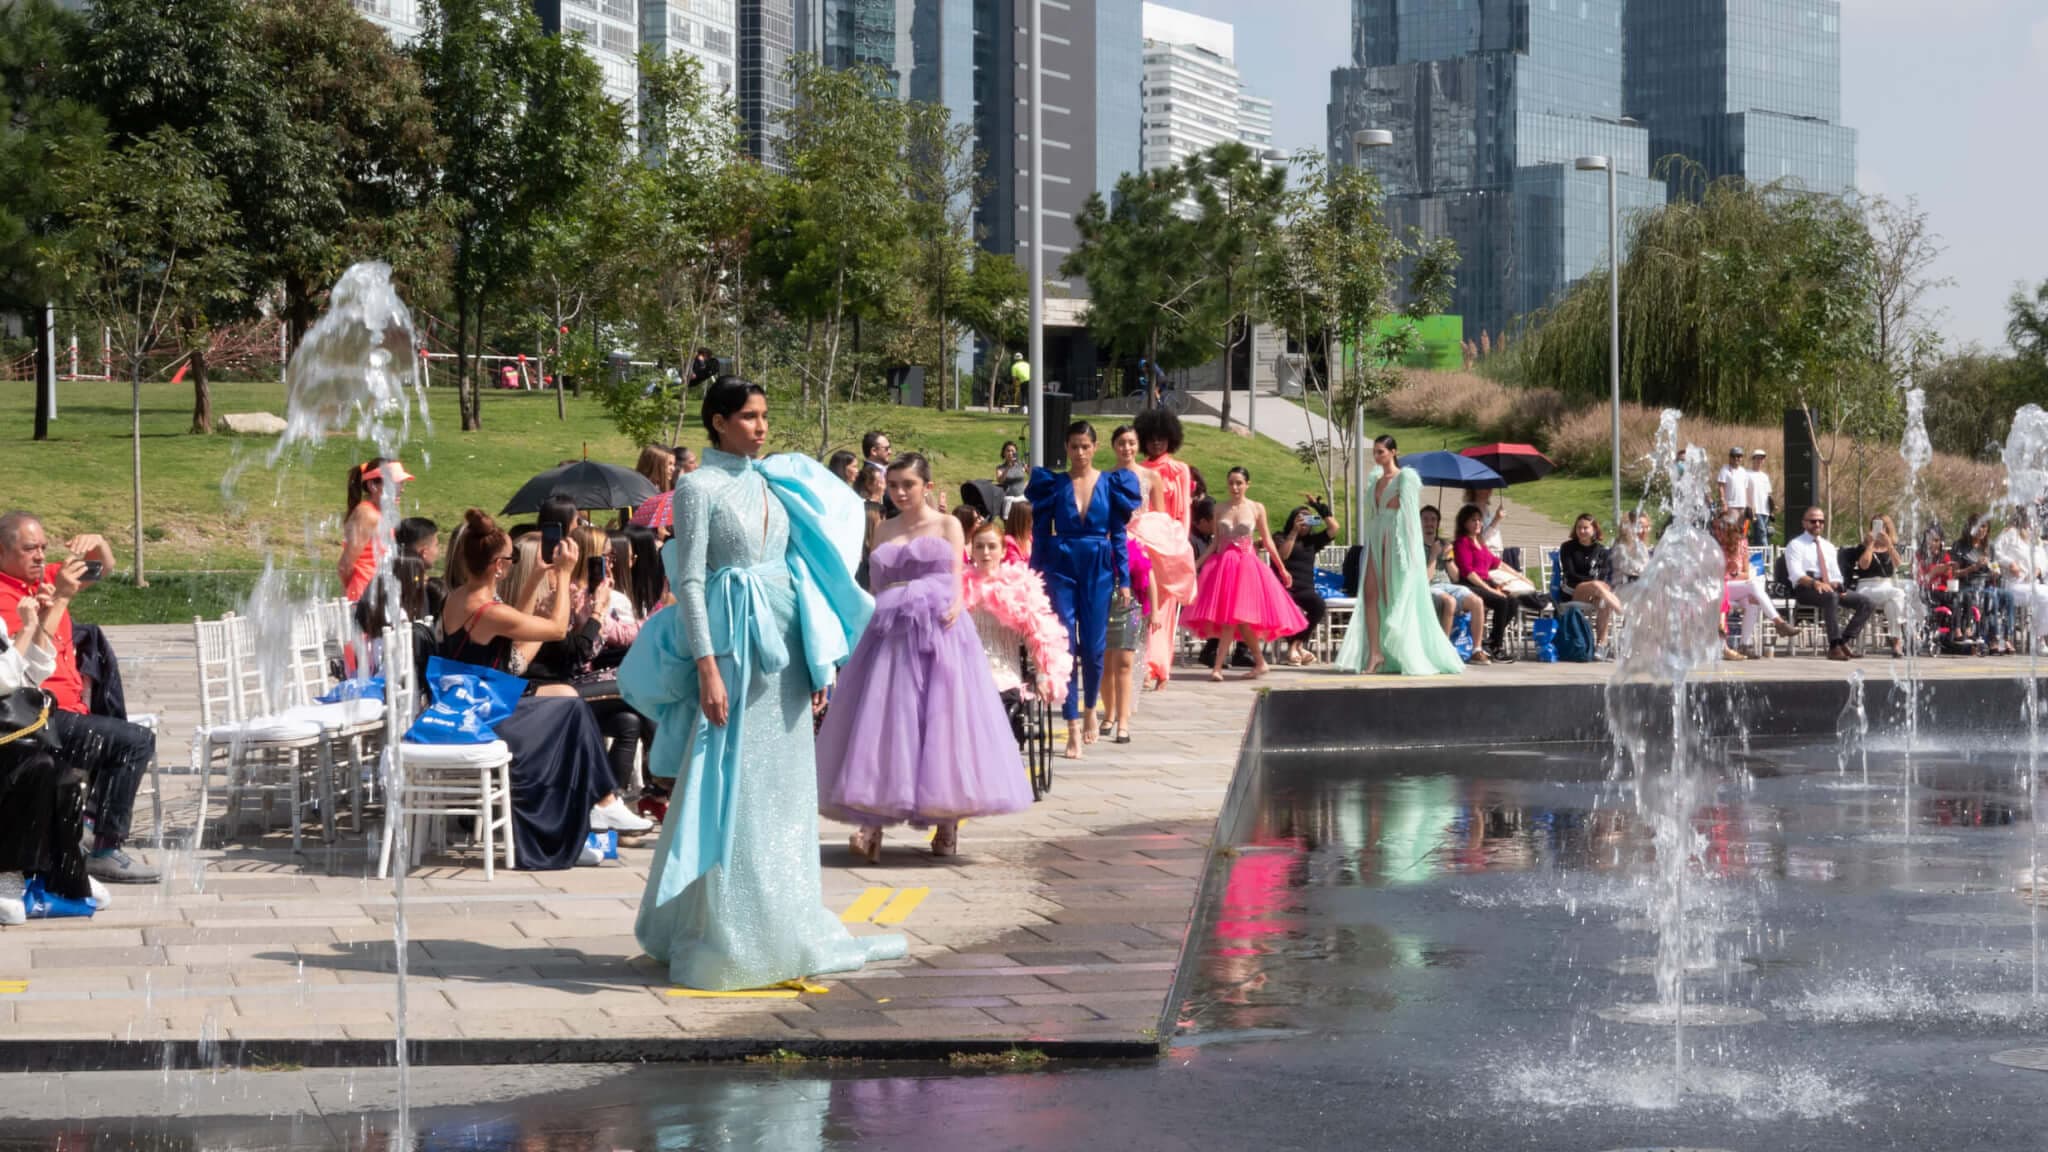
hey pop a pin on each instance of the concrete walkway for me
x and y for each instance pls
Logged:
(1058, 926)
(1289, 424)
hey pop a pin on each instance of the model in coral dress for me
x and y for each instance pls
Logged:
(1172, 497)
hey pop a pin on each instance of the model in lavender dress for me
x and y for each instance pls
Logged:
(916, 731)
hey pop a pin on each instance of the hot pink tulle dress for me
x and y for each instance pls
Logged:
(916, 731)
(1238, 590)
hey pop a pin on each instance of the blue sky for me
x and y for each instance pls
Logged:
(1947, 96)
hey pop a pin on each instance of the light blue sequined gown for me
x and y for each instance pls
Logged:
(758, 916)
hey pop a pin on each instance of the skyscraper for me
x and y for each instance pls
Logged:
(1194, 98)
(608, 30)
(1490, 101)
(705, 29)
(767, 31)
(1743, 88)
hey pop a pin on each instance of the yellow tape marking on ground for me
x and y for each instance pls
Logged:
(787, 990)
(903, 905)
(13, 987)
(866, 905)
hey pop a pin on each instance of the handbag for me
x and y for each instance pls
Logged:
(25, 721)
(468, 702)
(1515, 582)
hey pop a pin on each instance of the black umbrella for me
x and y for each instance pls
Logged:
(588, 482)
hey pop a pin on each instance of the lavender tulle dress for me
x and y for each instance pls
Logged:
(916, 732)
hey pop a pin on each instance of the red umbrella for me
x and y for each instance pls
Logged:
(1516, 463)
(657, 511)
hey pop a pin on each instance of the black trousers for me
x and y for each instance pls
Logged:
(1831, 605)
(114, 754)
(42, 819)
(1500, 608)
(624, 728)
(1311, 605)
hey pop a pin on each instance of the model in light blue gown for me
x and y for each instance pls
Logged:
(762, 568)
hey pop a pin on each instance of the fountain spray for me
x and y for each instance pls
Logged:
(1916, 450)
(2026, 486)
(1674, 631)
(356, 372)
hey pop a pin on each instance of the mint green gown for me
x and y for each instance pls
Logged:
(762, 568)
(1411, 638)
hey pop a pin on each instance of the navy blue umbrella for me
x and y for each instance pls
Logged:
(1450, 470)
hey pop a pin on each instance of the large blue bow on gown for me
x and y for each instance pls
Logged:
(658, 677)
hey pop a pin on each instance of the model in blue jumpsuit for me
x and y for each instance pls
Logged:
(1082, 557)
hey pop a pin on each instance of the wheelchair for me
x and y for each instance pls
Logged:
(1031, 722)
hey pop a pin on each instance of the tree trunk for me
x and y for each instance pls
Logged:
(135, 445)
(831, 362)
(1229, 346)
(476, 401)
(46, 370)
(465, 396)
(202, 393)
(810, 346)
(298, 311)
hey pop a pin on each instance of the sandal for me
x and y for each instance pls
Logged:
(867, 844)
(946, 840)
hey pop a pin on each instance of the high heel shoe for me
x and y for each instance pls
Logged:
(946, 840)
(867, 844)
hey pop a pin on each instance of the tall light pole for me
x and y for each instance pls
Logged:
(1603, 164)
(1360, 140)
(1036, 264)
(1272, 156)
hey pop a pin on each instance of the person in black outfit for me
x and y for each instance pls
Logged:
(1983, 607)
(1585, 569)
(1310, 529)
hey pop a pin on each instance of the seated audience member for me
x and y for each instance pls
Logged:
(842, 464)
(1630, 556)
(1483, 572)
(1871, 569)
(2023, 570)
(1813, 565)
(1586, 573)
(1980, 602)
(585, 662)
(1017, 533)
(420, 538)
(1446, 590)
(113, 753)
(1310, 529)
(686, 460)
(562, 786)
(648, 586)
(1742, 587)
(42, 798)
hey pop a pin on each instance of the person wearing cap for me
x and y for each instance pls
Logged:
(360, 547)
(1759, 500)
(1734, 481)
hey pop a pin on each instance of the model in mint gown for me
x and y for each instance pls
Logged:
(762, 568)
(1396, 566)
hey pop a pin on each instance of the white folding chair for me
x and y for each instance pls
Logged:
(425, 784)
(263, 751)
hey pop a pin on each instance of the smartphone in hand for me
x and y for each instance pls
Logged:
(596, 571)
(93, 571)
(550, 541)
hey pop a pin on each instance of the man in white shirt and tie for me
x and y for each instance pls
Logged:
(1815, 569)
(1759, 500)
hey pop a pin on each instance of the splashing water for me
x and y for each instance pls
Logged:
(356, 373)
(1854, 730)
(1674, 614)
(1916, 450)
(2026, 486)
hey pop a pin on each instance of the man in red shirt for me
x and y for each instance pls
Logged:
(114, 752)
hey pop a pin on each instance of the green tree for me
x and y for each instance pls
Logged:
(42, 128)
(836, 251)
(1149, 279)
(2027, 328)
(943, 181)
(347, 154)
(1239, 197)
(992, 304)
(527, 127)
(148, 241)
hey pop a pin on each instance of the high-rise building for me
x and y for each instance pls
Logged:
(1254, 120)
(609, 31)
(767, 37)
(1749, 88)
(1490, 101)
(1194, 99)
(705, 29)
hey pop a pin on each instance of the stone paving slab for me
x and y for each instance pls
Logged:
(1061, 924)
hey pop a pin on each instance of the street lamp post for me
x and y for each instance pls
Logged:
(1036, 350)
(1251, 400)
(1360, 140)
(1603, 164)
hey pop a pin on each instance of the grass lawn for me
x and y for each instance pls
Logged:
(1558, 496)
(206, 539)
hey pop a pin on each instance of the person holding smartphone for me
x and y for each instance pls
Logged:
(1872, 569)
(1310, 529)
(113, 752)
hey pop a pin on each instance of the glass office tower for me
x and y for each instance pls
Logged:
(1749, 88)
(1490, 101)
